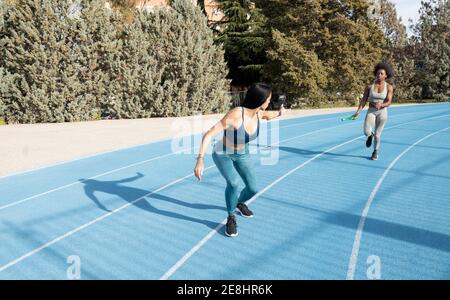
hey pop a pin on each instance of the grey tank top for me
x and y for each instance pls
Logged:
(374, 96)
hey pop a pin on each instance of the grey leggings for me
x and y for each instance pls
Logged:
(374, 123)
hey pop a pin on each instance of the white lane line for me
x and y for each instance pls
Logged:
(167, 139)
(141, 145)
(81, 181)
(36, 250)
(357, 241)
(130, 166)
(166, 155)
(69, 233)
(191, 252)
(202, 242)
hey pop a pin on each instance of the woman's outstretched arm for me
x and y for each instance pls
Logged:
(272, 114)
(224, 123)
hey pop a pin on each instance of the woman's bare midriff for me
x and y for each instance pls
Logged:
(231, 145)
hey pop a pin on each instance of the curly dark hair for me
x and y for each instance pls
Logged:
(384, 66)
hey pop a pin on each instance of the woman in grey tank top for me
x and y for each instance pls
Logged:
(379, 95)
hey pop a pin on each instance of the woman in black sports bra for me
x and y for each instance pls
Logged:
(231, 156)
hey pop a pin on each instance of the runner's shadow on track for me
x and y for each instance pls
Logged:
(388, 229)
(30, 236)
(141, 198)
(417, 146)
(306, 152)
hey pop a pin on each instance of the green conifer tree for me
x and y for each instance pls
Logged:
(73, 60)
(433, 49)
(169, 66)
(399, 52)
(336, 45)
(242, 35)
(56, 52)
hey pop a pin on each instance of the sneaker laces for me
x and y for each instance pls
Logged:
(232, 220)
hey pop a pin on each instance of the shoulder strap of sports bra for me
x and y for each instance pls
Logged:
(257, 130)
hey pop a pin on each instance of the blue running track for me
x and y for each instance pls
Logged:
(324, 211)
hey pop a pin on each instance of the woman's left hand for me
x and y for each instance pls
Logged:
(199, 167)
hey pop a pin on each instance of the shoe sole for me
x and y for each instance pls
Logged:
(230, 235)
(369, 144)
(374, 158)
(245, 216)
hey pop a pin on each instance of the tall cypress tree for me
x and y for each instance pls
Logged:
(135, 75)
(126, 9)
(194, 67)
(294, 66)
(98, 40)
(399, 51)
(6, 90)
(326, 49)
(2, 75)
(34, 49)
(351, 44)
(54, 49)
(295, 69)
(169, 66)
(433, 49)
(243, 37)
(72, 60)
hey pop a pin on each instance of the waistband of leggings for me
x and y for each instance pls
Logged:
(372, 105)
(220, 148)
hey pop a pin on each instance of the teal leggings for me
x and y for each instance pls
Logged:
(233, 166)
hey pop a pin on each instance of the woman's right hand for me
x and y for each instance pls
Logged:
(282, 110)
(199, 167)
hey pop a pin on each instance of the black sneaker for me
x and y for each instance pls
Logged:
(231, 227)
(369, 141)
(375, 155)
(244, 211)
